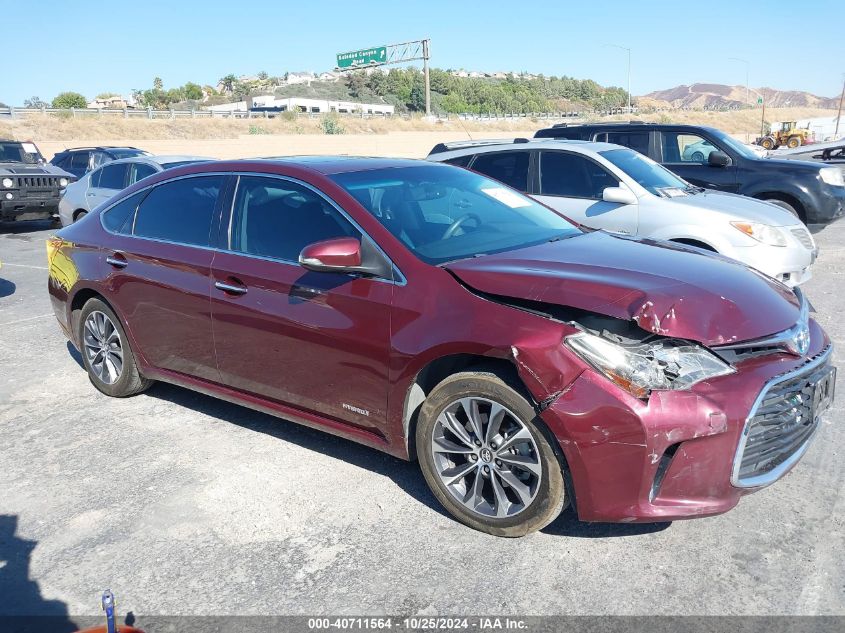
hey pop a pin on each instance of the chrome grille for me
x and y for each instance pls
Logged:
(804, 237)
(783, 421)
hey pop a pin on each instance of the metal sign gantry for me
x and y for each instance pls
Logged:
(390, 54)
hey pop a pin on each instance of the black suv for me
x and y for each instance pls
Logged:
(29, 188)
(80, 160)
(709, 158)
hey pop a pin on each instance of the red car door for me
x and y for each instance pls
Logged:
(160, 274)
(316, 341)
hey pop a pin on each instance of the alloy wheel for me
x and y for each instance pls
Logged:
(103, 347)
(486, 457)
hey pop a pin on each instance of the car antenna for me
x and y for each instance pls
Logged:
(465, 128)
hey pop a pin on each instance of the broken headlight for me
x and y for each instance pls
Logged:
(643, 367)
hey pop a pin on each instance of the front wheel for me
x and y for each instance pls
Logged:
(79, 215)
(485, 457)
(793, 142)
(106, 353)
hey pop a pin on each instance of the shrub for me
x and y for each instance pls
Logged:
(67, 100)
(331, 125)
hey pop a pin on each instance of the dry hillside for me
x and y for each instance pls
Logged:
(710, 96)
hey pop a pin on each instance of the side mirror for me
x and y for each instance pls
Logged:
(619, 195)
(346, 255)
(338, 254)
(718, 159)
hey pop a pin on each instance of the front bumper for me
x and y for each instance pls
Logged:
(675, 456)
(28, 208)
(829, 205)
(790, 265)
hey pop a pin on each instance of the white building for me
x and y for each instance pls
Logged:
(299, 78)
(238, 106)
(320, 106)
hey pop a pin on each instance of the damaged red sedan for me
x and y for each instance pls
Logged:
(440, 316)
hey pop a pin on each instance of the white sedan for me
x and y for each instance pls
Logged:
(99, 185)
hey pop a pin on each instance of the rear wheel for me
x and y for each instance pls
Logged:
(485, 457)
(106, 353)
(768, 143)
(79, 215)
(697, 157)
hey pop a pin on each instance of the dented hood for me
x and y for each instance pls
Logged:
(667, 289)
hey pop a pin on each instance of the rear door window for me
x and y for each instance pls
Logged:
(113, 176)
(180, 211)
(573, 176)
(637, 141)
(510, 168)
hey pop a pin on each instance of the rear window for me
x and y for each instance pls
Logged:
(637, 141)
(510, 168)
(180, 211)
(460, 161)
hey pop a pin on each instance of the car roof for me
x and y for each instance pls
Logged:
(160, 159)
(479, 147)
(328, 165)
(628, 125)
(98, 148)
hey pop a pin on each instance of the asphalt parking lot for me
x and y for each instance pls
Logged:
(183, 504)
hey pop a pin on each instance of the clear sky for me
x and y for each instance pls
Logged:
(106, 45)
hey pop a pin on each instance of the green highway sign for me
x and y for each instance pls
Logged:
(759, 100)
(364, 57)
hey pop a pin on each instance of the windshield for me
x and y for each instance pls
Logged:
(649, 175)
(13, 152)
(443, 213)
(735, 145)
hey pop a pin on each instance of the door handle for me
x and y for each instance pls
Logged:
(117, 261)
(230, 288)
(91, 195)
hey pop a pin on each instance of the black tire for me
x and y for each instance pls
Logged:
(550, 496)
(793, 142)
(129, 380)
(79, 215)
(697, 157)
(785, 205)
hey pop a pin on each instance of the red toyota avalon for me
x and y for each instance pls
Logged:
(440, 316)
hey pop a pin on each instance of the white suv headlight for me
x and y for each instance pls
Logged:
(761, 232)
(63, 182)
(832, 176)
(8, 182)
(641, 368)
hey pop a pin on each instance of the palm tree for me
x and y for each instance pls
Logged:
(228, 82)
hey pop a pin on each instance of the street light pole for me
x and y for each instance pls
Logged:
(625, 48)
(744, 61)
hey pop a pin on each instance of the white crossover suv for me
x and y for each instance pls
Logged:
(609, 187)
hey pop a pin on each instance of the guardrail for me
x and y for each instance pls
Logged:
(150, 113)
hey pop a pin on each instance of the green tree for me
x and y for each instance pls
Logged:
(263, 76)
(158, 84)
(69, 100)
(192, 91)
(107, 95)
(355, 83)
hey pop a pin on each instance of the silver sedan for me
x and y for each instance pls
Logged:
(99, 185)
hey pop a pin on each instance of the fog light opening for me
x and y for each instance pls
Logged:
(662, 468)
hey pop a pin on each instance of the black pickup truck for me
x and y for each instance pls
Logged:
(30, 187)
(709, 158)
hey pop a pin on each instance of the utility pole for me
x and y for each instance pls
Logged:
(839, 114)
(426, 44)
(625, 48)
